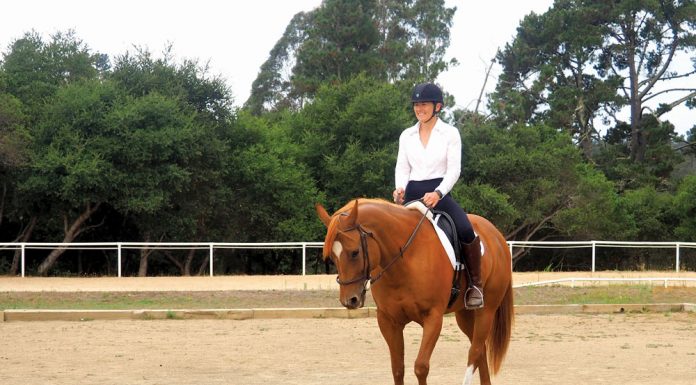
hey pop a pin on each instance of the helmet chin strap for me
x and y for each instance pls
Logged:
(435, 111)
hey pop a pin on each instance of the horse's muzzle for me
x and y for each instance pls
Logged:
(354, 301)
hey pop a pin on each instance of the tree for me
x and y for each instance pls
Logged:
(530, 173)
(341, 42)
(272, 88)
(387, 40)
(582, 57)
(685, 209)
(15, 219)
(35, 69)
(596, 210)
(642, 39)
(349, 136)
(548, 73)
(656, 170)
(178, 105)
(32, 72)
(69, 177)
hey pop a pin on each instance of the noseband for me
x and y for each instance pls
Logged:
(366, 276)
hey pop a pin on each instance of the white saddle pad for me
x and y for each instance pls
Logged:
(420, 207)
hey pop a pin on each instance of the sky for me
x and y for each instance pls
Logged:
(235, 37)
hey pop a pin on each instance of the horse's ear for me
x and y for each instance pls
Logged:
(353, 216)
(323, 215)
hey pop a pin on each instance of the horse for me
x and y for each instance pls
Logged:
(410, 276)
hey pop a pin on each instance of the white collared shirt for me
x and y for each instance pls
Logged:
(441, 158)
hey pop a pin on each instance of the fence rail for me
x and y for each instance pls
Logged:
(212, 246)
(615, 244)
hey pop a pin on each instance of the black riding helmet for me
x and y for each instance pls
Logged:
(427, 92)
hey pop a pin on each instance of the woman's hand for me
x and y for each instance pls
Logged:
(398, 195)
(431, 199)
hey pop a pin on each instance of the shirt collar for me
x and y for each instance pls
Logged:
(414, 130)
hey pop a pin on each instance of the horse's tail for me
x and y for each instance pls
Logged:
(499, 339)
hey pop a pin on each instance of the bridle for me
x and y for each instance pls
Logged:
(366, 276)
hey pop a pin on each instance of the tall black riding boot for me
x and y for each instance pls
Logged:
(474, 293)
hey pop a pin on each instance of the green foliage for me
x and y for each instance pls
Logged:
(35, 69)
(685, 209)
(151, 149)
(485, 200)
(65, 166)
(651, 212)
(273, 192)
(340, 43)
(13, 134)
(349, 137)
(660, 160)
(595, 211)
(385, 40)
(584, 60)
(534, 167)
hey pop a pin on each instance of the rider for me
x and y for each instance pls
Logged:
(428, 166)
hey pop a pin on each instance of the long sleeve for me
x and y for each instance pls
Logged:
(402, 170)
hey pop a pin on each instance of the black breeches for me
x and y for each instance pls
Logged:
(416, 189)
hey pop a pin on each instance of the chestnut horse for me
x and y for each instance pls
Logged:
(410, 277)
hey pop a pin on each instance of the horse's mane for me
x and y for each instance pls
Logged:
(332, 229)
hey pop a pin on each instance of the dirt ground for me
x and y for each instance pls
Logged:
(546, 349)
(553, 349)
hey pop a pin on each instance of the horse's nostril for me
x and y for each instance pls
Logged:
(354, 301)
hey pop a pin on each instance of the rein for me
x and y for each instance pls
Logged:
(366, 277)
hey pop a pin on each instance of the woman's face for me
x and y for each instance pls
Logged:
(423, 110)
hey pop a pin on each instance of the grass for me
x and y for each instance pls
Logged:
(552, 295)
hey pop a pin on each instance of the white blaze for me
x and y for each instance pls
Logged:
(337, 249)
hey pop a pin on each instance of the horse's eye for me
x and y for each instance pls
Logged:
(354, 254)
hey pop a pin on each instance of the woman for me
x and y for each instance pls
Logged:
(428, 166)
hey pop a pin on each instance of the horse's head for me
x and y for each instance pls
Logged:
(346, 244)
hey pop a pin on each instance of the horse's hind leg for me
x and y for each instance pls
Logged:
(467, 322)
(393, 333)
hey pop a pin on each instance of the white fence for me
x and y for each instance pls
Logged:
(677, 246)
(211, 247)
(120, 246)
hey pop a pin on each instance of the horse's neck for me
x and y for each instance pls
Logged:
(399, 231)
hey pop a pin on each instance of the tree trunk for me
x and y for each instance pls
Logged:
(2, 202)
(144, 255)
(187, 265)
(24, 236)
(71, 232)
(637, 142)
(202, 268)
(142, 269)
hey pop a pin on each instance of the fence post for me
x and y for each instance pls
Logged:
(23, 256)
(211, 259)
(677, 269)
(594, 255)
(510, 245)
(119, 259)
(304, 258)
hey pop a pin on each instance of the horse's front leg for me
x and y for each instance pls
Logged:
(393, 333)
(431, 332)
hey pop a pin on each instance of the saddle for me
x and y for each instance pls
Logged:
(445, 223)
